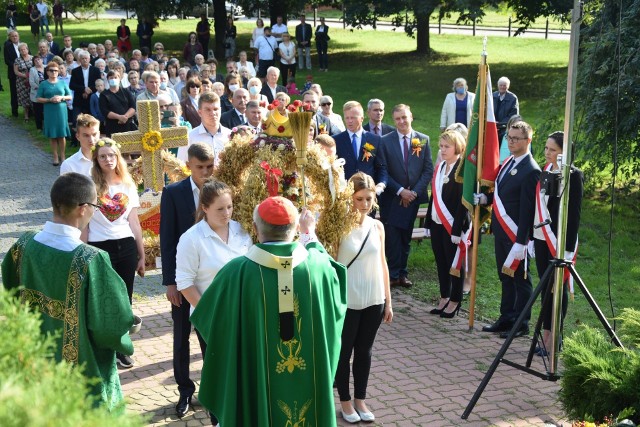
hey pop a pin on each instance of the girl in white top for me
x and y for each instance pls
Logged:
(368, 299)
(115, 227)
(213, 241)
(287, 52)
(257, 33)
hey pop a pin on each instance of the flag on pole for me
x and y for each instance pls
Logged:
(485, 145)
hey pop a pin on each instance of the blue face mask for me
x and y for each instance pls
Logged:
(253, 90)
(163, 86)
(460, 90)
(113, 82)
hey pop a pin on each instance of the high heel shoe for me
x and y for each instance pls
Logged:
(439, 310)
(452, 314)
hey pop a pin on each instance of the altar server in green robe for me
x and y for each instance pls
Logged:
(74, 288)
(272, 320)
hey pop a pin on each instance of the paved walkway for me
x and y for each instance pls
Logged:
(425, 369)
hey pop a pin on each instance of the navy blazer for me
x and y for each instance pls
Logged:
(230, 119)
(308, 33)
(375, 167)
(54, 48)
(386, 129)
(417, 179)
(177, 215)
(76, 84)
(506, 108)
(517, 192)
(266, 91)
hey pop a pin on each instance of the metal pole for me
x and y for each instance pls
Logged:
(509, 31)
(546, 30)
(558, 287)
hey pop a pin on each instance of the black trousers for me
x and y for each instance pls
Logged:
(358, 334)
(444, 252)
(38, 114)
(123, 254)
(323, 58)
(543, 259)
(14, 96)
(515, 290)
(284, 72)
(263, 65)
(181, 350)
(397, 247)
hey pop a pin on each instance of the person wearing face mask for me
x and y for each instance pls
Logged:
(457, 105)
(164, 87)
(118, 106)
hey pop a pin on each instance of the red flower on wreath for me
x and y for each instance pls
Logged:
(263, 104)
(271, 107)
(275, 103)
(280, 128)
(297, 103)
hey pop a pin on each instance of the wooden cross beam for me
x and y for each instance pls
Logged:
(149, 140)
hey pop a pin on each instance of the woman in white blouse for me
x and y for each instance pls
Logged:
(213, 241)
(287, 51)
(368, 299)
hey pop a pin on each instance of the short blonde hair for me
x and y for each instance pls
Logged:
(454, 138)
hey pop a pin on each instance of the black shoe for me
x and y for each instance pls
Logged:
(214, 419)
(523, 330)
(452, 314)
(123, 360)
(183, 405)
(498, 326)
(438, 310)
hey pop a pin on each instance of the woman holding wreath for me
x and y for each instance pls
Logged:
(368, 297)
(54, 94)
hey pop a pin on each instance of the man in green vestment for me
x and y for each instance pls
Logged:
(272, 320)
(75, 289)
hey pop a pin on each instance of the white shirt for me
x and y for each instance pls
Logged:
(279, 29)
(201, 253)
(43, 8)
(85, 76)
(216, 141)
(196, 192)
(249, 66)
(59, 236)
(101, 228)
(287, 51)
(266, 47)
(77, 163)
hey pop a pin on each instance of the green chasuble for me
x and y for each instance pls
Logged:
(251, 377)
(79, 295)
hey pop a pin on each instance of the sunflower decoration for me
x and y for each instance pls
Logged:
(249, 167)
(152, 141)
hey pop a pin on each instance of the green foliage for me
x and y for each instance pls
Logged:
(35, 390)
(600, 379)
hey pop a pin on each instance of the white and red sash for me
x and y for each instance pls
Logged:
(542, 215)
(506, 223)
(447, 220)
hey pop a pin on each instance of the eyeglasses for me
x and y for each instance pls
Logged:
(166, 106)
(515, 138)
(51, 70)
(95, 207)
(325, 104)
(103, 157)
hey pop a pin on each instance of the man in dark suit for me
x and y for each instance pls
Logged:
(83, 84)
(505, 105)
(375, 111)
(360, 149)
(144, 33)
(10, 55)
(177, 215)
(408, 159)
(303, 37)
(236, 116)
(54, 48)
(271, 86)
(511, 222)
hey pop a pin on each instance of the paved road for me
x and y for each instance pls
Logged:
(425, 369)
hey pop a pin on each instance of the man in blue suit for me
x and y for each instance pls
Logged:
(511, 223)
(177, 215)
(505, 105)
(359, 148)
(410, 169)
(375, 111)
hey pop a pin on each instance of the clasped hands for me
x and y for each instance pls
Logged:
(406, 197)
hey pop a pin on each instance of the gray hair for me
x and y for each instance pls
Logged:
(83, 54)
(506, 80)
(457, 81)
(90, 45)
(148, 74)
(325, 99)
(273, 69)
(460, 128)
(274, 233)
(99, 61)
(134, 51)
(375, 101)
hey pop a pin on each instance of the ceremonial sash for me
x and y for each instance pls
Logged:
(284, 265)
(447, 221)
(542, 215)
(506, 223)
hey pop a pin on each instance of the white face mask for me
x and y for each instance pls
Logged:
(233, 88)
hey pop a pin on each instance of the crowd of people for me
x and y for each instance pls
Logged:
(207, 256)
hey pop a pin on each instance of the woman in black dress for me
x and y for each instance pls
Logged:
(118, 106)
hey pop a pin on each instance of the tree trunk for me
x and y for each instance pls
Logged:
(422, 32)
(277, 8)
(220, 27)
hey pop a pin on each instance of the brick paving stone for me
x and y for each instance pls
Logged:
(425, 369)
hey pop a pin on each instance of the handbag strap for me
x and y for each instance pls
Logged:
(361, 247)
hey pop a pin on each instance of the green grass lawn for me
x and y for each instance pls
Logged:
(364, 65)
